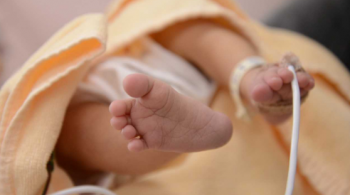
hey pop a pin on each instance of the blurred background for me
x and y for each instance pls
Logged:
(26, 24)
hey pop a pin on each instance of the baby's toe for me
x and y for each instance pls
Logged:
(121, 107)
(262, 93)
(285, 75)
(286, 92)
(119, 122)
(311, 84)
(137, 145)
(305, 90)
(273, 79)
(137, 85)
(129, 132)
(303, 79)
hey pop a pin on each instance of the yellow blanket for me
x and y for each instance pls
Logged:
(34, 100)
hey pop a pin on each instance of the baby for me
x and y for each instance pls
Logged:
(159, 123)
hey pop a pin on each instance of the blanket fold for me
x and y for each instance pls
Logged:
(36, 94)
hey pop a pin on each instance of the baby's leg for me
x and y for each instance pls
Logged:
(162, 119)
(89, 146)
(217, 50)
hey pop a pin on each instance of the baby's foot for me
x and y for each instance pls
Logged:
(162, 119)
(272, 84)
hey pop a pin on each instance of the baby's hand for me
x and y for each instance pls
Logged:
(271, 84)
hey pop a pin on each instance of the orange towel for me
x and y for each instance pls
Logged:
(255, 161)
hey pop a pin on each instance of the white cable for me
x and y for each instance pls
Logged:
(85, 189)
(295, 134)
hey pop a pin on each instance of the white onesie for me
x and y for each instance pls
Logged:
(104, 82)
